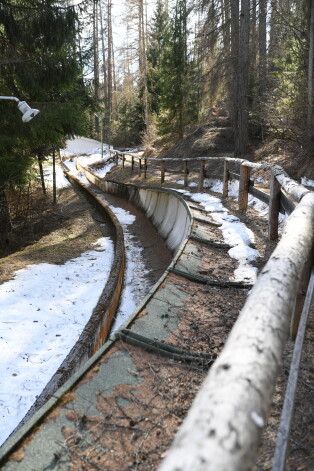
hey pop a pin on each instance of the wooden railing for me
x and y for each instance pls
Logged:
(223, 427)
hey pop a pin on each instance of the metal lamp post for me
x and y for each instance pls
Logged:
(28, 113)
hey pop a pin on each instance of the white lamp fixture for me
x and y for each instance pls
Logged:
(27, 112)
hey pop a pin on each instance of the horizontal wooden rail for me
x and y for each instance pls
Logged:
(225, 422)
(222, 429)
(288, 407)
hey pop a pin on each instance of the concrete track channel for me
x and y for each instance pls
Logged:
(121, 407)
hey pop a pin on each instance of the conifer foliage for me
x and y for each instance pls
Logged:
(39, 65)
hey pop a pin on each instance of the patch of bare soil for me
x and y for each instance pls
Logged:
(66, 230)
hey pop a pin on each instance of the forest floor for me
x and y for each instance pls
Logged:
(70, 227)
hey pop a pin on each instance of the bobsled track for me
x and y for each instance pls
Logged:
(123, 396)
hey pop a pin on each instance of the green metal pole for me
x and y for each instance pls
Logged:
(102, 136)
(54, 186)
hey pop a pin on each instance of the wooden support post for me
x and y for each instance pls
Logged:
(185, 171)
(123, 159)
(274, 206)
(145, 168)
(244, 187)
(117, 158)
(226, 179)
(132, 163)
(162, 171)
(139, 167)
(301, 297)
(201, 176)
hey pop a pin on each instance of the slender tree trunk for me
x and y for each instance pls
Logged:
(253, 34)
(233, 92)
(41, 172)
(5, 222)
(109, 95)
(103, 47)
(142, 61)
(243, 84)
(310, 75)
(96, 60)
(262, 62)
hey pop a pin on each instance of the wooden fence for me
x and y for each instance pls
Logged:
(222, 429)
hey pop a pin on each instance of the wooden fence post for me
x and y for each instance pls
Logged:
(162, 171)
(201, 176)
(139, 167)
(132, 163)
(226, 179)
(244, 187)
(274, 206)
(295, 320)
(145, 168)
(123, 159)
(185, 171)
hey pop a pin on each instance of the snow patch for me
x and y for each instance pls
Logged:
(43, 312)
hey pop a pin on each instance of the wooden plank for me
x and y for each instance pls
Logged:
(226, 177)
(301, 297)
(201, 175)
(288, 406)
(286, 203)
(185, 172)
(206, 281)
(244, 187)
(162, 171)
(274, 206)
(261, 195)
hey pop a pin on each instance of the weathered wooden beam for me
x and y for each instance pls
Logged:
(226, 177)
(185, 172)
(145, 168)
(224, 424)
(162, 171)
(301, 297)
(139, 167)
(132, 163)
(288, 406)
(274, 207)
(201, 175)
(244, 187)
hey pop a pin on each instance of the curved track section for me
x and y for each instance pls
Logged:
(121, 389)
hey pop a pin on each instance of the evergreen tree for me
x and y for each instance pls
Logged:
(158, 35)
(178, 79)
(40, 65)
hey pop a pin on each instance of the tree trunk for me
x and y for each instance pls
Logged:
(96, 60)
(241, 148)
(310, 75)
(109, 94)
(233, 92)
(103, 47)
(5, 222)
(142, 62)
(41, 172)
(262, 48)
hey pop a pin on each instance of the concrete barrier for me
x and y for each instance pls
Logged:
(166, 209)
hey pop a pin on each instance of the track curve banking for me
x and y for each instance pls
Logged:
(111, 413)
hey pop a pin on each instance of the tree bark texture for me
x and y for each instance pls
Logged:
(5, 222)
(310, 75)
(241, 143)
